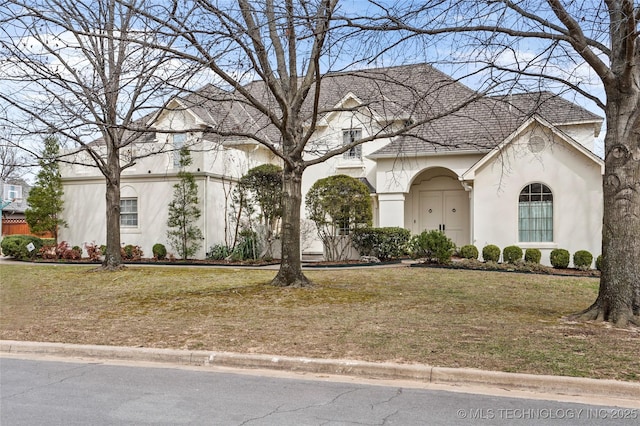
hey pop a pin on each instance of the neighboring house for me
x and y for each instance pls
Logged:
(14, 203)
(516, 169)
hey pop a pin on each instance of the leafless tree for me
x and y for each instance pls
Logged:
(69, 67)
(277, 65)
(560, 43)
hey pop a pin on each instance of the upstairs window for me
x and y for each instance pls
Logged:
(178, 142)
(535, 214)
(349, 136)
(12, 192)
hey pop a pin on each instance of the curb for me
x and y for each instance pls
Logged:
(560, 385)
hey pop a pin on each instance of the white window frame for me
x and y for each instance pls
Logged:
(348, 137)
(13, 192)
(535, 214)
(129, 212)
(179, 140)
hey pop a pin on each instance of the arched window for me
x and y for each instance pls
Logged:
(535, 214)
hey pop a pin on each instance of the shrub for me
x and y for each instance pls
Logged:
(16, 246)
(159, 251)
(582, 259)
(560, 258)
(103, 248)
(77, 249)
(383, 243)
(599, 262)
(247, 247)
(62, 250)
(48, 241)
(469, 251)
(532, 255)
(131, 252)
(93, 251)
(491, 253)
(512, 254)
(432, 245)
(218, 252)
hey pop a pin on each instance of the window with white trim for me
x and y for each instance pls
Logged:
(12, 192)
(535, 214)
(178, 142)
(349, 136)
(129, 212)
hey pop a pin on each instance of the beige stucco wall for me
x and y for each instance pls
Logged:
(573, 177)
(85, 210)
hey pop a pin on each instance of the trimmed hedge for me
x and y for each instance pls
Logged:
(491, 253)
(16, 246)
(532, 255)
(582, 259)
(159, 251)
(599, 263)
(560, 258)
(512, 254)
(383, 243)
(469, 251)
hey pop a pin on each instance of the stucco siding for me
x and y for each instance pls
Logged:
(574, 180)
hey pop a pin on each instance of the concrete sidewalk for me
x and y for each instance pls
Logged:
(627, 393)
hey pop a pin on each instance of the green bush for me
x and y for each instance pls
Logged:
(469, 251)
(48, 241)
(512, 254)
(582, 259)
(491, 253)
(560, 258)
(532, 255)
(218, 252)
(432, 245)
(383, 243)
(16, 246)
(599, 262)
(247, 247)
(159, 251)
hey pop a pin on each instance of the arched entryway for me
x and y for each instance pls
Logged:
(437, 200)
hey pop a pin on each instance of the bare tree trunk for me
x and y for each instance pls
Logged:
(290, 273)
(619, 298)
(112, 258)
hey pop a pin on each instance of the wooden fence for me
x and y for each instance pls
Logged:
(19, 227)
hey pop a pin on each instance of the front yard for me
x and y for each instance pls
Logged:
(456, 318)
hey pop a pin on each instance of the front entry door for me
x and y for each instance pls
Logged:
(447, 211)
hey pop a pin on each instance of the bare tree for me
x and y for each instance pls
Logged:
(279, 69)
(70, 68)
(13, 160)
(559, 43)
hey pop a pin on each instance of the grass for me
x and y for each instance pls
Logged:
(455, 318)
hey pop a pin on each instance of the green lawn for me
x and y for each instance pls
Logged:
(489, 320)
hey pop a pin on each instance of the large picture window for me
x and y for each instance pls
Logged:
(348, 137)
(129, 212)
(535, 214)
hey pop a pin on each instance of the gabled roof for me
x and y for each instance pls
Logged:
(485, 123)
(470, 174)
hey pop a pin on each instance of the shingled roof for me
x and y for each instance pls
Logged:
(485, 123)
(451, 116)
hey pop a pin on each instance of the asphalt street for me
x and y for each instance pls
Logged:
(39, 392)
